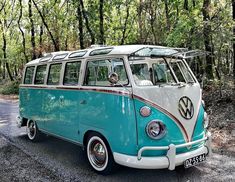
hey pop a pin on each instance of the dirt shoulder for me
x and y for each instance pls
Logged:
(9, 97)
(220, 106)
(19, 166)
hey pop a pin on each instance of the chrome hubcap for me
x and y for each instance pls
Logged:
(31, 129)
(97, 153)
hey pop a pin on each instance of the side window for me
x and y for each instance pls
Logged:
(28, 78)
(140, 71)
(177, 71)
(97, 72)
(40, 74)
(71, 74)
(54, 74)
(162, 73)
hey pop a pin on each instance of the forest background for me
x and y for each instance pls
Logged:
(30, 28)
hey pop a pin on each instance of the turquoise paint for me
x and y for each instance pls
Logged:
(31, 104)
(111, 115)
(174, 134)
(199, 130)
(63, 112)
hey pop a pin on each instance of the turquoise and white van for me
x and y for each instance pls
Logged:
(137, 105)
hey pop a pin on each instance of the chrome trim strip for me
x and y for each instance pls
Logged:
(19, 121)
(139, 156)
(159, 162)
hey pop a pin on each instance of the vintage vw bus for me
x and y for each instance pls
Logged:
(137, 105)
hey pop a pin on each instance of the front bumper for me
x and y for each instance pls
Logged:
(169, 161)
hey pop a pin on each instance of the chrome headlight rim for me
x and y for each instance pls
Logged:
(162, 131)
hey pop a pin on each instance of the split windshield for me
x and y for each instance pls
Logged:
(158, 66)
(160, 71)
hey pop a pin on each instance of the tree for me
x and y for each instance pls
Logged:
(233, 10)
(55, 43)
(167, 14)
(101, 12)
(87, 22)
(46, 26)
(32, 30)
(207, 38)
(22, 32)
(80, 25)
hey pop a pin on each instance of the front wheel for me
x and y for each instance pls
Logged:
(99, 154)
(32, 131)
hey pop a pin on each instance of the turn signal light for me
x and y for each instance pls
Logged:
(145, 111)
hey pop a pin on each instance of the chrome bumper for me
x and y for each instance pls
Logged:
(169, 161)
(19, 121)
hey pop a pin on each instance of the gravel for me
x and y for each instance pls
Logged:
(15, 165)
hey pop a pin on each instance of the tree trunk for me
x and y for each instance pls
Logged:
(87, 22)
(40, 41)
(80, 26)
(152, 13)
(233, 4)
(125, 24)
(16, 72)
(186, 5)
(140, 21)
(194, 3)
(4, 47)
(167, 15)
(102, 39)
(22, 32)
(41, 32)
(32, 31)
(207, 38)
(55, 43)
(3, 61)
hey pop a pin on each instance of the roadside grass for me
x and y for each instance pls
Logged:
(1, 88)
(10, 88)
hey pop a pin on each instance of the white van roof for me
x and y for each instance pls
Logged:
(91, 52)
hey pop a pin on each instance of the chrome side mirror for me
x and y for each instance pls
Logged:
(113, 77)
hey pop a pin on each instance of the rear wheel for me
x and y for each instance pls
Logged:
(32, 131)
(99, 154)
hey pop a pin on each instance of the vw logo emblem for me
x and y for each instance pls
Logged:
(186, 107)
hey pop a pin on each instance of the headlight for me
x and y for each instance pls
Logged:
(155, 129)
(206, 120)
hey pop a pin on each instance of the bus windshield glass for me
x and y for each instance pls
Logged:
(160, 71)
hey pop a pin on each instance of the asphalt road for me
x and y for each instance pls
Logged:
(67, 162)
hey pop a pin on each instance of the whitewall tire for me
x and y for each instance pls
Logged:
(32, 131)
(99, 154)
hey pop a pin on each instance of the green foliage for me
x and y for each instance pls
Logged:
(125, 22)
(10, 88)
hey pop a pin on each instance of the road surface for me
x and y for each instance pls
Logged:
(57, 160)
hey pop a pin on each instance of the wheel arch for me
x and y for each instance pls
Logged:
(24, 121)
(89, 132)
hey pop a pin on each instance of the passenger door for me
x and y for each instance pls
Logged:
(108, 108)
(69, 101)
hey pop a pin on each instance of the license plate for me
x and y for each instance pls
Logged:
(194, 160)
